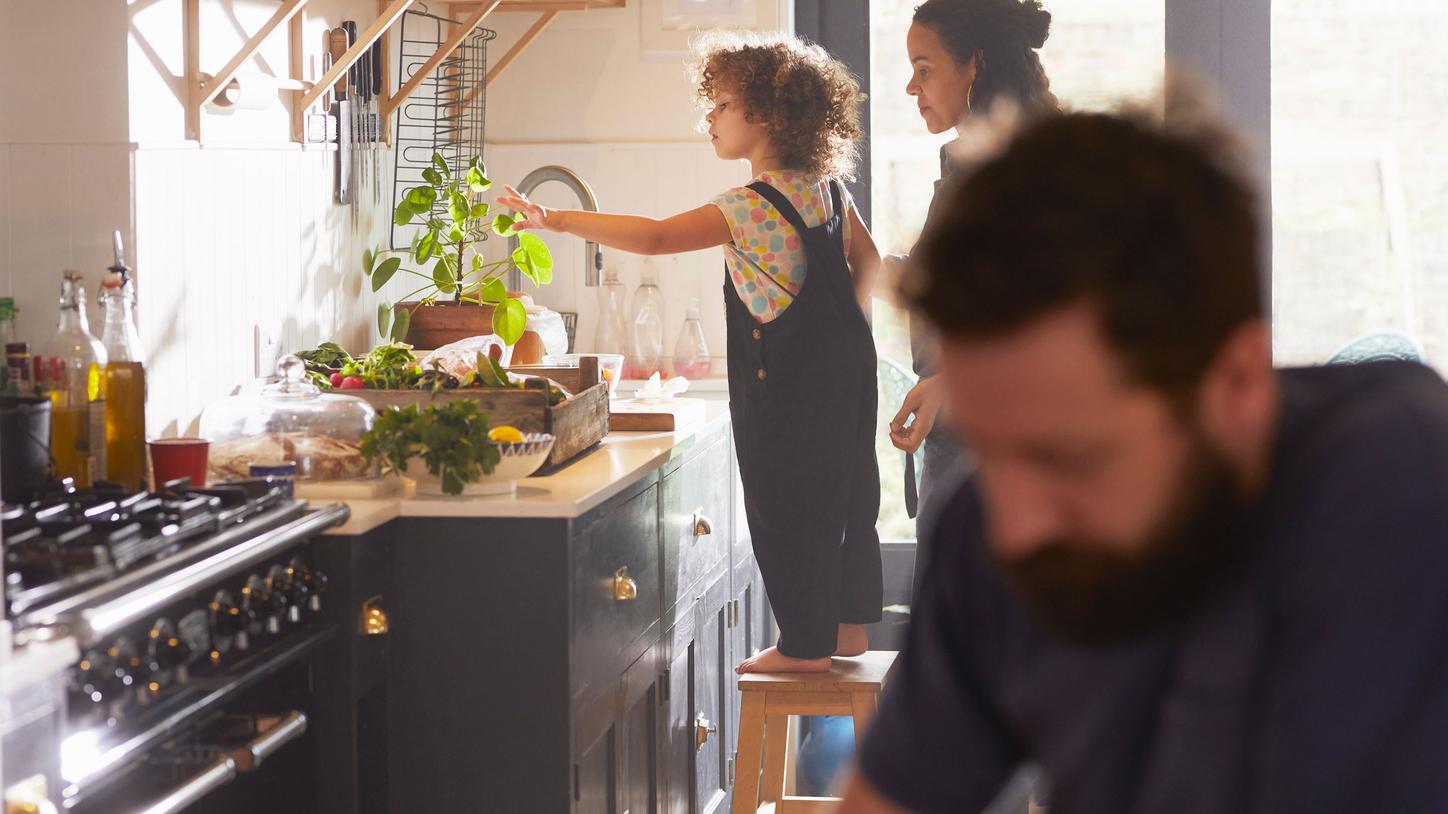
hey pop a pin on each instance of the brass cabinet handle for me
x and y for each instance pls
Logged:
(702, 730)
(702, 524)
(624, 587)
(374, 618)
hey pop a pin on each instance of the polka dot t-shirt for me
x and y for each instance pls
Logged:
(765, 257)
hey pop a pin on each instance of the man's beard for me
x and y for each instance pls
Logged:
(1086, 592)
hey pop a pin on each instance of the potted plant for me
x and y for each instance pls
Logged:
(452, 224)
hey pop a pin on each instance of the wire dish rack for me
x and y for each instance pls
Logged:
(445, 114)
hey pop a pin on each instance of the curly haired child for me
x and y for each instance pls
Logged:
(799, 263)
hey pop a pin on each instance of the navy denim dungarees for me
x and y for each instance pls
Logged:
(802, 397)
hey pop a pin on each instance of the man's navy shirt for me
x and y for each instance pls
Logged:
(1316, 680)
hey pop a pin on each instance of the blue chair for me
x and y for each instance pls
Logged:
(1379, 346)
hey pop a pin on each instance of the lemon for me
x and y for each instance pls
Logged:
(505, 435)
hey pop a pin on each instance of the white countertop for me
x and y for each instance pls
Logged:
(590, 480)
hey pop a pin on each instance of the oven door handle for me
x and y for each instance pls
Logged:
(210, 779)
(290, 727)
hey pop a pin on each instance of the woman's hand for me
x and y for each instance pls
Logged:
(532, 216)
(923, 401)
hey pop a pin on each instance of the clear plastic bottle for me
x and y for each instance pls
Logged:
(124, 382)
(691, 352)
(612, 334)
(71, 363)
(646, 351)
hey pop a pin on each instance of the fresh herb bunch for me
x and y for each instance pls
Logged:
(386, 367)
(325, 358)
(454, 224)
(450, 438)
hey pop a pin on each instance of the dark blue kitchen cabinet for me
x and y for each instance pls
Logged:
(576, 665)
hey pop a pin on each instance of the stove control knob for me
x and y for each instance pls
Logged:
(267, 604)
(168, 652)
(129, 671)
(286, 583)
(91, 677)
(229, 622)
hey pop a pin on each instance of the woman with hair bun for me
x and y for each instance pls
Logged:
(965, 55)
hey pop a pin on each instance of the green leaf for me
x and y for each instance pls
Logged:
(384, 272)
(400, 323)
(458, 207)
(419, 198)
(384, 319)
(437, 161)
(368, 258)
(403, 214)
(478, 211)
(426, 247)
(477, 164)
(430, 175)
(477, 182)
(503, 225)
(524, 262)
(477, 262)
(442, 276)
(539, 257)
(493, 292)
(455, 234)
(509, 319)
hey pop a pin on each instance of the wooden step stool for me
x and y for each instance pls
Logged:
(766, 704)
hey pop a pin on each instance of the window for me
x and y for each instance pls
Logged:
(1359, 175)
(1099, 51)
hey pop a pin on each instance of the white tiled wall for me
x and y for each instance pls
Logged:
(655, 180)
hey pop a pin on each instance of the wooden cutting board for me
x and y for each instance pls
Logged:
(630, 415)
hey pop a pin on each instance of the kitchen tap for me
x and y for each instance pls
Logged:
(592, 254)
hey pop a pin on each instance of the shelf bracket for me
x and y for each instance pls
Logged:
(364, 41)
(201, 89)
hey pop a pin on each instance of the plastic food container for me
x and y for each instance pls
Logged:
(290, 421)
(610, 366)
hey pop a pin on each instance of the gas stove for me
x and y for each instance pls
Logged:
(70, 540)
(185, 602)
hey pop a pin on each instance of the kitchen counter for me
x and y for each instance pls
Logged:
(587, 482)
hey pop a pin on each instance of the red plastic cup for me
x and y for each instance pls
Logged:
(173, 458)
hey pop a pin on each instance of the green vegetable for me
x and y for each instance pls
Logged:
(386, 367)
(326, 356)
(450, 438)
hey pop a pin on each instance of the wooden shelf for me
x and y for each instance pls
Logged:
(202, 89)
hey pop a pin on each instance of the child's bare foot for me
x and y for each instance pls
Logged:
(773, 661)
(852, 641)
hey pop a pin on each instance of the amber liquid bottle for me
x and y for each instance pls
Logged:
(124, 383)
(71, 366)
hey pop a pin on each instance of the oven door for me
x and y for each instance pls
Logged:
(246, 746)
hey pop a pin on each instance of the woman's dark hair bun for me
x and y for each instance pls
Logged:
(1036, 23)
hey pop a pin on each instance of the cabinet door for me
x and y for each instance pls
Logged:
(678, 684)
(597, 766)
(695, 518)
(711, 697)
(639, 766)
(615, 590)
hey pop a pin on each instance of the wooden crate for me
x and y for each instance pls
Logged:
(576, 424)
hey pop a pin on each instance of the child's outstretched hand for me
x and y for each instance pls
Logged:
(533, 216)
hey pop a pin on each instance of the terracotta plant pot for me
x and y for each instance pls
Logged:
(433, 326)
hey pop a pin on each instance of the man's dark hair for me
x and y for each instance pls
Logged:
(1152, 224)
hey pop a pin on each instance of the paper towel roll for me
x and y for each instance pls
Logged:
(247, 91)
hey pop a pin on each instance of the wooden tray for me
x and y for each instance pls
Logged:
(576, 425)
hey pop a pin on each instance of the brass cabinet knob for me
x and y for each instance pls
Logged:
(625, 589)
(703, 526)
(374, 618)
(702, 730)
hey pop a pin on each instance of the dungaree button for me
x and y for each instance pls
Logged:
(761, 374)
(758, 334)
